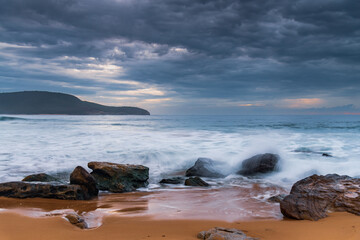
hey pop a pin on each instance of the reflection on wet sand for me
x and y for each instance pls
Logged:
(227, 204)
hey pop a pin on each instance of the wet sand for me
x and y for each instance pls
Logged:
(226, 204)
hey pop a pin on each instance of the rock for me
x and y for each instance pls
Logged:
(277, 198)
(259, 164)
(326, 155)
(40, 177)
(115, 177)
(310, 151)
(204, 167)
(32, 190)
(312, 197)
(196, 182)
(81, 177)
(76, 220)
(174, 180)
(219, 233)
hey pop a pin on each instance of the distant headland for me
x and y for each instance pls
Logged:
(41, 102)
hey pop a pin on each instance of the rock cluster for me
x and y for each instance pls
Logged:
(208, 168)
(313, 197)
(83, 185)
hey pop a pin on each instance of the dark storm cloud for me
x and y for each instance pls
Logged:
(239, 50)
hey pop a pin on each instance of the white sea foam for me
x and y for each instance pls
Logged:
(55, 144)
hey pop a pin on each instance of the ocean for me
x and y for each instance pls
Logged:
(56, 144)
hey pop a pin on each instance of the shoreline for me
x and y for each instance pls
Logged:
(13, 226)
(141, 215)
(226, 204)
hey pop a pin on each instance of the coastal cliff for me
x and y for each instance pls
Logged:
(40, 102)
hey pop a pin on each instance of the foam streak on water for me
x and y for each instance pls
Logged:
(56, 144)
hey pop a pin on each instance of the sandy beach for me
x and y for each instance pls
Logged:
(17, 227)
(164, 215)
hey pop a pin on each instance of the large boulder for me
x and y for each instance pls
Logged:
(32, 190)
(259, 164)
(219, 233)
(40, 177)
(205, 167)
(81, 177)
(119, 178)
(313, 197)
(196, 182)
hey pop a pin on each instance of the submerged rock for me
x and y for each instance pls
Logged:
(326, 155)
(40, 177)
(259, 164)
(219, 233)
(174, 180)
(81, 177)
(312, 197)
(119, 178)
(310, 151)
(277, 198)
(196, 182)
(204, 167)
(32, 190)
(76, 220)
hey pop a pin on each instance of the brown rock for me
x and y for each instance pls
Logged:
(81, 177)
(196, 182)
(115, 177)
(219, 233)
(40, 177)
(312, 197)
(32, 190)
(76, 220)
(174, 180)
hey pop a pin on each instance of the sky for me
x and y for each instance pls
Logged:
(187, 56)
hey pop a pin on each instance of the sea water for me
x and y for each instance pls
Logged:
(169, 145)
(56, 144)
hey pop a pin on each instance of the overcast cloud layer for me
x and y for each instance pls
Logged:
(187, 56)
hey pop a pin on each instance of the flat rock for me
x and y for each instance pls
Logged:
(219, 233)
(40, 177)
(205, 167)
(196, 182)
(174, 180)
(259, 164)
(81, 177)
(313, 197)
(119, 178)
(33, 190)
